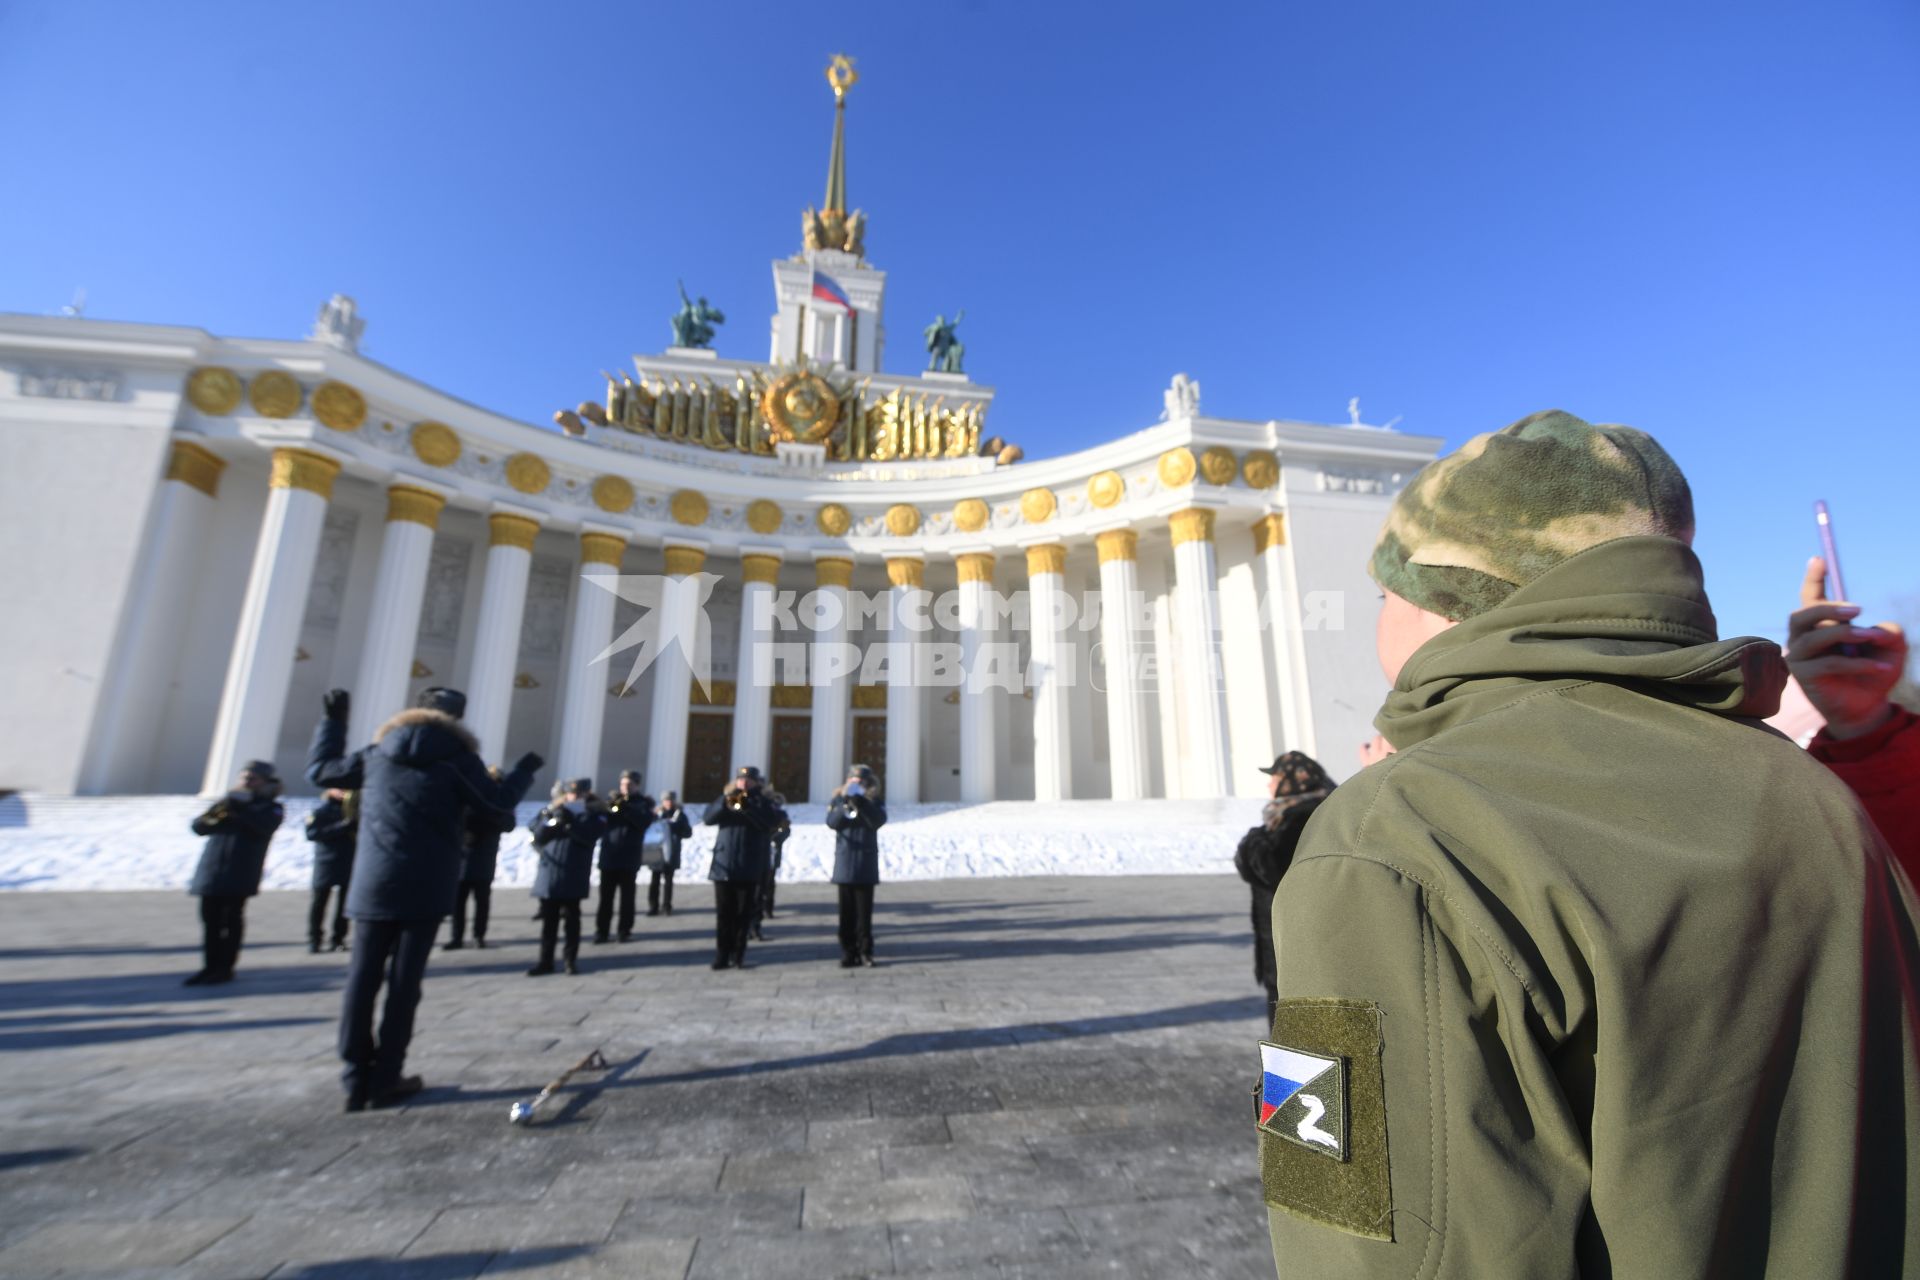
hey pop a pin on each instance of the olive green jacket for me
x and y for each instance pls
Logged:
(1614, 972)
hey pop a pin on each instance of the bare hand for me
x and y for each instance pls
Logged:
(1850, 691)
(1374, 751)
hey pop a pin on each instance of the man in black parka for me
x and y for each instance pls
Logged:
(333, 828)
(417, 782)
(239, 827)
(1296, 785)
(629, 814)
(742, 851)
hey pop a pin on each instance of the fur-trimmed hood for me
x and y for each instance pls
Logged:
(421, 736)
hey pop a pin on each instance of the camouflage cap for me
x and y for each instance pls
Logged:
(1507, 506)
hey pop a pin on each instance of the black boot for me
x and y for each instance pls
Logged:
(454, 945)
(540, 970)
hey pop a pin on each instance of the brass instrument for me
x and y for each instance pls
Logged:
(221, 810)
(736, 800)
(614, 805)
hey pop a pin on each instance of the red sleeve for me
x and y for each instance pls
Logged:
(1883, 769)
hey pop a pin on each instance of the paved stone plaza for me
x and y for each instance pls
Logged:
(1043, 1078)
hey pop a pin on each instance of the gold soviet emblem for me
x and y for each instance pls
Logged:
(213, 390)
(1176, 468)
(1106, 489)
(275, 394)
(1217, 465)
(802, 408)
(688, 506)
(435, 444)
(902, 520)
(528, 473)
(834, 520)
(1261, 470)
(612, 493)
(1037, 505)
(763, 516)
(339, 406)
(970, 515)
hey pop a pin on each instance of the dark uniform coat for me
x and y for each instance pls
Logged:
(628, 818)
(236, 850)
(1264, 855)
(333, 834)
(565, 840)
(484, 828)
(416, 783)
(777, 838)
(742, 849)
(856, 821)
(679, 827)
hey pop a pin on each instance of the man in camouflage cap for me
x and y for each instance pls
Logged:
(1595, 974)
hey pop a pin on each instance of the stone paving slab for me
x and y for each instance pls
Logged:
(1044, 1077)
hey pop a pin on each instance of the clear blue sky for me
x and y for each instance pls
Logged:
(1696, 218)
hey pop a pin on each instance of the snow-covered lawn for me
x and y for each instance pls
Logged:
(143, 842)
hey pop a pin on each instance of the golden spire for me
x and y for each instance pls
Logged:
(841, 75)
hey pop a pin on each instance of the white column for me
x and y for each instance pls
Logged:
(977, 772)
(672, 677)
(909, 617)
(584, 705)
(496, 643)
(393, 620)
(1278, 619)
(261, 667)
(128, 714)
(831, 676)
(754, 675)
(1201, 677)
(1121, 605)
(1052, 659)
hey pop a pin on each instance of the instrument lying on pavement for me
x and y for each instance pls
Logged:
(523, 1112)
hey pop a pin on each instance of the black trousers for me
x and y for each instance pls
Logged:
(393, 952)
(317, 916)
(611, 881)
(482, 895)
(763, 900)
(856, 921)
(223, 922)
(660, 888)
(552, 912)
(733, 916)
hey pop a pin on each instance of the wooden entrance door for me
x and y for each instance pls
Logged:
(792, 756)
(870, 744)
(709, 738)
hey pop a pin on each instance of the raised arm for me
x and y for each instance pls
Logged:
(329, 763)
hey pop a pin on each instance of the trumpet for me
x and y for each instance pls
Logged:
(220, 812)
(736, 800)
(614, 805)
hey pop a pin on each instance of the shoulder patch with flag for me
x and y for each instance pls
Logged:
(1303, 1098)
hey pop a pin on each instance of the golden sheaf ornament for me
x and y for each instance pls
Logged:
(213, 390)
(970, 515)
(339, 406)
(1106, 489)
(528, 473)
(801, 407)
(274, 394)
(435, 444)
(833, 520)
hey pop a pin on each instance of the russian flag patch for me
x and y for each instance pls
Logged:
(1303, 1098)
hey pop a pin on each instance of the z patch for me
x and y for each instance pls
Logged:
(1303, 1098)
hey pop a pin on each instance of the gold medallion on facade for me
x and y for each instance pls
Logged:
(801, 407)
(1261, 470)
(339, 406)
(1106, 489)
(1177, 468)
(688, 506)
(1217, 465)
(834, 520)
(970, 515)
(612, 493)
(275, 394)
(435, 444)
(764, 517)
(1037, 505)
(529, 473)
(213, 390)
(903, 520)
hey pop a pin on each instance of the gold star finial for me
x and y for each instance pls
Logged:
(841, 75)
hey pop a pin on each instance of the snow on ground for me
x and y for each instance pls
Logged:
(144, 842)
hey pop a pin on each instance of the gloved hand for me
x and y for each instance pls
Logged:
(530, 762)
(335, 703)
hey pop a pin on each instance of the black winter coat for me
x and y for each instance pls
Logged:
(416, 783)
(777, 838)
(742, 850)
(679, 827)
(333, 834)
(484, 829)
(626, 825)
(565, 841)
(856, 821)
(1263, 857)
(236, 851)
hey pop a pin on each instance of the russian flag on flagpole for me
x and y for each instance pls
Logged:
(827, 289)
